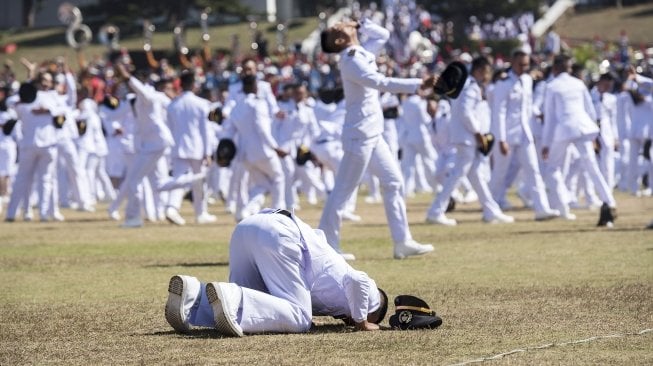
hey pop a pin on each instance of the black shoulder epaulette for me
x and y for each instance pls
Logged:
(351, 52)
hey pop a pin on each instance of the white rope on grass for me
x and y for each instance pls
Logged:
(550, 345)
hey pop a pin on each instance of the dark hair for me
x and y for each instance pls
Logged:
(519, 53)
(325, 42)
(561, 62)
(249, 84)
(608, 76)
(187, 79)
(480, 63)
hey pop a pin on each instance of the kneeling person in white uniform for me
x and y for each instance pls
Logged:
(282, 272)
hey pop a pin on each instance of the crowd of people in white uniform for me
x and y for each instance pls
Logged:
(145, 138)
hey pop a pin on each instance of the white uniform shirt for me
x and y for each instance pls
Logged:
(605, 105)
(336, 288)
(512, 105)
(263, 91)
(568, 111)
(414, 121)
(464, 114)
(37, 129)
(362, 82)
(188, 121)
(251, 121)
(150, 131)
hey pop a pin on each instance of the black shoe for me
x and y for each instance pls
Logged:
(607, 215)
(451, 206)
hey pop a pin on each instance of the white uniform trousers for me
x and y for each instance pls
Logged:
(558, 194)
(267, 260)
(144, 165)
(181, 167)
(623, 165)
(289, 168)
(35, 162)
(411, 166)
(505, 171)
(330, 154)
(73, 162)
(96, 169)
(637, 165)
(468, 162)
(607, 163)
(266, 176)
(373, 154)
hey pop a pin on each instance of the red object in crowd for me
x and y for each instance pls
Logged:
(9, 48)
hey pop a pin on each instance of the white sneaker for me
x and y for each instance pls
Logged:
(114, 215)
(132, 223)
(568, 216)
(348, 256)
(225, 300)
(350, 216)
(174, 217)
(547, 215)
(441, 219)
(86, 208)
(183, 292)
(205, 218)
(411, 248)
(57, 216)
(499, 219)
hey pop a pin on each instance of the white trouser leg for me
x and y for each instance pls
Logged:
(461, 166)
(533, 178)
(355, 160)
(385, 166)
(588, 157)
(144, 163)
(558, 194)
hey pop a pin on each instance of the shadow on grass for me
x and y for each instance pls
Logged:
(203, 333)
(641, 14)
(189, 265)
(576, 230)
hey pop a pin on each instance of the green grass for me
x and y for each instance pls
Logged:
(87, 292)
(46, 44)
(607, 24)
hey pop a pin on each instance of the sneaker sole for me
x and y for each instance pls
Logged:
(174, 305)
(223, 323)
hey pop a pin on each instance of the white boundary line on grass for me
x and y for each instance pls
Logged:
(550, 345)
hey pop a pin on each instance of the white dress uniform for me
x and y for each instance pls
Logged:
(640, 130)
(188, 121)
(119, 126)
(37, 151)
(70, 162)
(624, 105)
(251, 120)
(511, 117)
(465, 122)
(152, 138)
(415, 141)
(287, 132)
(239, 181)
(287, 273)
(605, 105)
(569, 118)
(363, 144)
(96, 167)
(8, 147)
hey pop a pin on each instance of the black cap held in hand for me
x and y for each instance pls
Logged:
(452, 80)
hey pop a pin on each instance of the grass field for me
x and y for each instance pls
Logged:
(87, 292)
